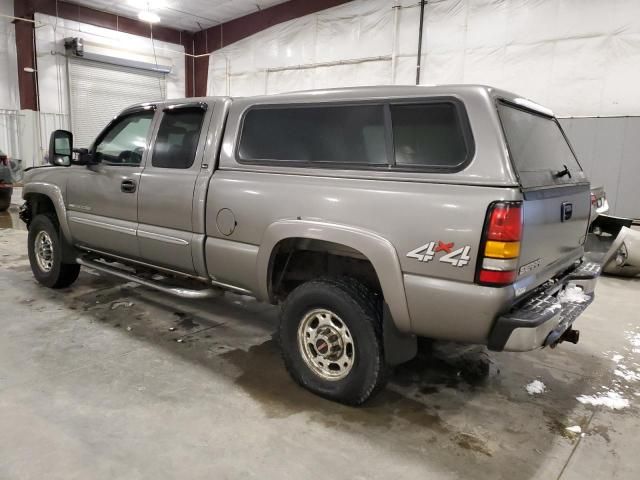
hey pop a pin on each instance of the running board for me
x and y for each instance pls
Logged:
(177, 291)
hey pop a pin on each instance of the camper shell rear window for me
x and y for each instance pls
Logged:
(539, 150)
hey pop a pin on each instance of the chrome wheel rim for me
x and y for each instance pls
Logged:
(326, 344)
(44, 251)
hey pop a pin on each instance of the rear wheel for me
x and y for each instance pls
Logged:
(45, 254)
(331, 340)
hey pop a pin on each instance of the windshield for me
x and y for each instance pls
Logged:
(539, 150)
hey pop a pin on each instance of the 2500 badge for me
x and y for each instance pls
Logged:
(427, 252)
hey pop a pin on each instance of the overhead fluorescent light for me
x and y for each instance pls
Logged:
(147, 16)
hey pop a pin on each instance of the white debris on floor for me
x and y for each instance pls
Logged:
(536, 387)
(634, 339)
(627, 374)
(625, 370)
(609, 399)
(574, 429)
(115, 305)
(574, 294)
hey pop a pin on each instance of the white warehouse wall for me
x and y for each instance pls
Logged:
(582, 64)
(53, 78)
(9, 93)
(52, 74)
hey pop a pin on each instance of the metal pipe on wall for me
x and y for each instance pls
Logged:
(394, 47)
(420, 28)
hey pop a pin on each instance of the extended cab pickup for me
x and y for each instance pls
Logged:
(372, 215)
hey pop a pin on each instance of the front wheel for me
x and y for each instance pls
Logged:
(45, 254)
(331, 340)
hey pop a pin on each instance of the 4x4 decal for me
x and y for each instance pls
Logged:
(425, 253)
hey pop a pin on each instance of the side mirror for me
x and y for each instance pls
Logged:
(83, 157)
(60, 148)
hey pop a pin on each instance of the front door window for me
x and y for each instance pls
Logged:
(125, 142)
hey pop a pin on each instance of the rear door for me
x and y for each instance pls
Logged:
(556, 191)
(166, 198)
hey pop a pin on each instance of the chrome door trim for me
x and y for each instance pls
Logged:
(105, 225)
(162, 238)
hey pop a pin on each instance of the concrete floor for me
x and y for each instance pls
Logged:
(105, 380)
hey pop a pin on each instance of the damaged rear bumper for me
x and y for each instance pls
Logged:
(542, 319)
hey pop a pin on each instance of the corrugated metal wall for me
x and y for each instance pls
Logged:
(608, 149)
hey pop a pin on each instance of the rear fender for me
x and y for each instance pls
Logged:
(378, 250)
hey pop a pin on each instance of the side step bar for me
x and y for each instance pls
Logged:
(177, 291)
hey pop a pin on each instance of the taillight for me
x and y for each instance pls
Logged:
(500, 247)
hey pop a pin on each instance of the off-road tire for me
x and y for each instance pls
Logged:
(61, 274)
(360, 309)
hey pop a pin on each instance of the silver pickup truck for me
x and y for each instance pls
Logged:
(372, 215)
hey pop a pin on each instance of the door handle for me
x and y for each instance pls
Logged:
(128, 186)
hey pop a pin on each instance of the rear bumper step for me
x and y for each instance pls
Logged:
(543, 319)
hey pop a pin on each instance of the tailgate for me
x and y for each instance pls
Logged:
(557, 203)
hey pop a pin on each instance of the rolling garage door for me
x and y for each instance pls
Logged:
(99, 91)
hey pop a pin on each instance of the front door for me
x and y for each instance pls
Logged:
(102, 199)
(166, 198)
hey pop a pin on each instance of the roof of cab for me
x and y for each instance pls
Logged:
(372, 93)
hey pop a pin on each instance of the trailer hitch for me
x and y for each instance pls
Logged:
(569, 335)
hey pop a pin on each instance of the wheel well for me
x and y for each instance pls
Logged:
(39, 203)
(297, 260)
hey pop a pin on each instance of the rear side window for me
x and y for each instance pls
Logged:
(537, 147)
(177, 139)
(346, 134)
(428, 135)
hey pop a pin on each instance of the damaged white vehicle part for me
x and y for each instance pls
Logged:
(623, 258)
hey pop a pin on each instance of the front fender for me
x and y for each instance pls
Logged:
(378, 250)
(54, 194)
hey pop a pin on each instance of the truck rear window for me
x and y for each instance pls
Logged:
(538, 148)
